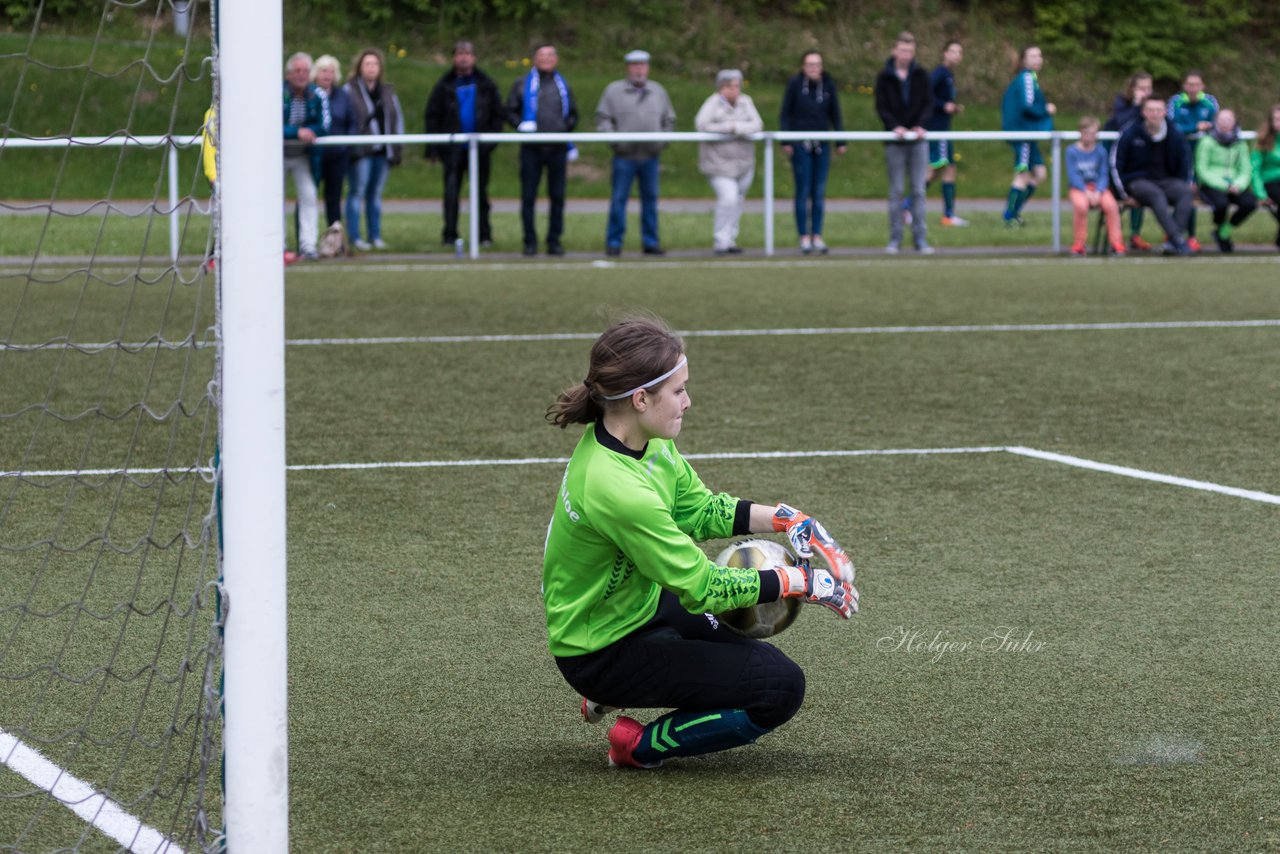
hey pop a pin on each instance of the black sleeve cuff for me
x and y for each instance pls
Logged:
(742, 518)
(770, 586)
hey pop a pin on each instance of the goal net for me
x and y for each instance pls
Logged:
(111, 607)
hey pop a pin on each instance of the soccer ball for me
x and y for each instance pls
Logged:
(768, 618)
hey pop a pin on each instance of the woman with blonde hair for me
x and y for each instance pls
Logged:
(334, 159)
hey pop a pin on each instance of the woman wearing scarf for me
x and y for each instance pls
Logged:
(1224, 173)
(376, 110)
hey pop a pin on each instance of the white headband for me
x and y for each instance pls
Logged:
(680, 364)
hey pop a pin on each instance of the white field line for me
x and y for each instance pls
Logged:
(79, 797)
(1134, 325)
(1050, 456)
(1125, 471)
(804, 331)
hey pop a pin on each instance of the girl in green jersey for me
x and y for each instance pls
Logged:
(630, 597)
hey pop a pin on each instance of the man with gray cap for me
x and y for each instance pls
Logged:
(635, 105)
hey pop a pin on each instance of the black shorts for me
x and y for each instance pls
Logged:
(690, 662)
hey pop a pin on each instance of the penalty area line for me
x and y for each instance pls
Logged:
(78, 796)
(1140, 474)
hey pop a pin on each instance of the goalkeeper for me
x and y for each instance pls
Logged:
(630, 598)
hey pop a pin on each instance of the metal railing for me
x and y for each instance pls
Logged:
(473, 141)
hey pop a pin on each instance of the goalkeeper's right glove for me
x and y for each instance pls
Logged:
(819, 586)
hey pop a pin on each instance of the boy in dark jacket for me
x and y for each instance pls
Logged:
(465, 100)
(904, 101)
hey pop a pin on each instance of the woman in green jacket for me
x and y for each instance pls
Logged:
(1266, 165)
(1225, 175)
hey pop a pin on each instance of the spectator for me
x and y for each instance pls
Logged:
(728, 165)
(1088, 181)
(542, 102)
(464, 100)
(811, 102)
(1126, 110)
(334, 159)
(1225, 176)
(942, 154)
(306, 116)
(635, 105)
(1192, 112)
(1025, 108)
(904, 102)
(1150, 164)
(377, 111)
(1266, 166)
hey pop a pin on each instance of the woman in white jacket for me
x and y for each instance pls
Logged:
(729, 165)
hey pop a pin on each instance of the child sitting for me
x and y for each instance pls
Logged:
(1088, 177)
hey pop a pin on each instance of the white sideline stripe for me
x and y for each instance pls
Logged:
(1125, 471)
(697, 333)
(814, 330)
(744, 455)
(81, 798)
(1050, 456)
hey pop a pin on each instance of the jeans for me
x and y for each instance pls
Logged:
(334, 166)
(368, 176)
(305, 185)
(625, 172)
(810, 169)
(730, 194)
(456, 164)
(534, 159)
(907, 162)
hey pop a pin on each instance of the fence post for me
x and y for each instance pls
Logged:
(1057, 192)
(473, 194)
(173, 202)
(768, 195)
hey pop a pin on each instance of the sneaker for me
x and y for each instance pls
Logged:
(593, 712)
(309, 256)
(379, 243)
(1015, 222)
(612, 251)
(806, 245)
(624, 738)
(530, 249)
(555, 248)
(1193, 245)
(925, 249)
(954, 222)
(360, 245)
(1118, 250)
(655, 249)
(1077, 249)
(892, 249)
(290, 257)
(1137, 244)
(819, 245)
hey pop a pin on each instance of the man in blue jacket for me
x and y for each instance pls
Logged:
(1150, 164)
(1025, 108)
(306, 116)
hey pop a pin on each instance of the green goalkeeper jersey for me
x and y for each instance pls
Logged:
(623, 528)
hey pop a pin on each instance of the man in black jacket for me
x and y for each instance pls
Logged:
(904, 100)
(465, 100)
(1151, 164)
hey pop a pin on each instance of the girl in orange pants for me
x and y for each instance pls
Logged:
(1088, 176)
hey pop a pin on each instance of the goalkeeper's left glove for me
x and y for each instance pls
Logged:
(807, 536)
(817, 586)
